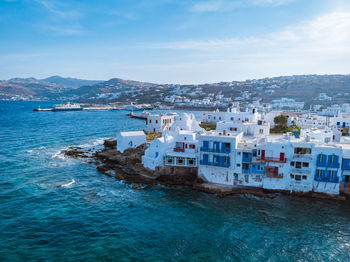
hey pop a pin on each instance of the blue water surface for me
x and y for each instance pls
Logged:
(100, 218)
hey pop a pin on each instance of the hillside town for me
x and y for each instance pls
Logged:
(285, 92)
(311, 155)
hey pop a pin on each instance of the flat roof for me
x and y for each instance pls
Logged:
(133, 133)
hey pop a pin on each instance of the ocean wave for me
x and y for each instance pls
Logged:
(67, 185)
(95, 144)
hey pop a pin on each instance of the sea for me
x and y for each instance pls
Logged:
(98, 218)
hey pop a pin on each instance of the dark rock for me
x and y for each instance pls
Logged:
(110, 143)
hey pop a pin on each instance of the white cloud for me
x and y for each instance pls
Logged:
(228, 5)
(59, 9)
(317, 46)
(213, 6)
(271, 2)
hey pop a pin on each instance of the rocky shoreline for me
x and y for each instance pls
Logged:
(128, 166)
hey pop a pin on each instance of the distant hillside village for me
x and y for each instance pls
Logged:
(314, 92)
(311, 152)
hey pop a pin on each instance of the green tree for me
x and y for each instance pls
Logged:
(281, 121)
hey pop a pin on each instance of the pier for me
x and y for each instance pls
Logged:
(95, 108)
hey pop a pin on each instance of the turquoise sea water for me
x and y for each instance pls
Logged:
(100, 218)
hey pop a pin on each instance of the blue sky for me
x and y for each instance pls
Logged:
(173, 41)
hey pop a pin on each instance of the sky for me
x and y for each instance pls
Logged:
(173, 41)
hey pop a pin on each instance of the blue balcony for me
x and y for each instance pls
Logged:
(326, 161)
(327, 179)
(333, 165)
(206, 149)
(218, 164)
(216, 150)
(346, 164)
(247, 158)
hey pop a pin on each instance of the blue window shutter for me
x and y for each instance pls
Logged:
(205, 144)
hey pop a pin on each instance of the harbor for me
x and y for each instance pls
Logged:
(78, 107)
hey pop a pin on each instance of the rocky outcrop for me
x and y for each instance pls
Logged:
(128, 166)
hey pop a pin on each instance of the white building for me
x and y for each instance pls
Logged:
(218, 156)
(259, 129)
(159, 122)
(184, 150)
(130, 139)
(324, 96)
(155, 153)
(187, 122)
(287, 103)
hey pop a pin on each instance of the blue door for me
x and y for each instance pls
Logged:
(205, 158)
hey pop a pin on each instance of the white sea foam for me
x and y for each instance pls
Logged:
(70, 184)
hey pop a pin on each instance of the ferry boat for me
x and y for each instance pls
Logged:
(67, 107)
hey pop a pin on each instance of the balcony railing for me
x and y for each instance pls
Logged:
(178, 149)
(215, 150)
(326, 179)
(327, 164)
(272, 159)
(247, 159)
(218, 164)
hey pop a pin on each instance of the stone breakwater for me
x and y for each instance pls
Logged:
(128, 166)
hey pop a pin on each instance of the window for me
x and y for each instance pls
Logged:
(292, 163)
(216, 159)
(304, 177)
(238, 165)
(150, 121)
(297, 164)
(157, 154)
(239, 153)
(205, 158)
(226, 159)
(305, 164)
(245, 166)
(331, 174)
(191, 162)
(322, 158)
(302, 151)
(206, 144)
(332, 159)
(156, 121)
(260, 167)
(292, 176)
(297, 177)
(261, 131)
(231, 118)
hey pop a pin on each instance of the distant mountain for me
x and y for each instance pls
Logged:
(68, 81)
(305, 88)
(50, 88)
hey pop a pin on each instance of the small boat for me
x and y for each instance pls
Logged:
(132, 107)
(67, 107)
